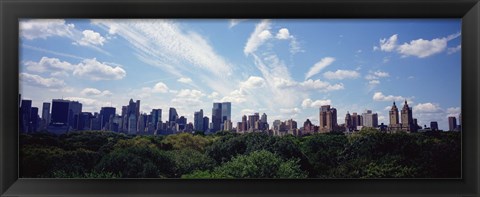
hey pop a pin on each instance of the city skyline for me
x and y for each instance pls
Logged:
(287, 68)
(106, 117)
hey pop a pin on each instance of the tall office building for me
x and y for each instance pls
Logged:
(370, 119)
(206, 123)
(25, 115)
(198, 120)
(434, 126)
(141, 124)
(226, 111)
(132, 124)
(216, 117)
(137, 109)
(46, 113)
(328, 118)
(156, 117)
(348, 121)
(452, 123)
(307, 127)
(244, 123)
(34, 120)
(227, 125)
(407, 118)
(105, 114)
(84, 122)
(252, 119)
(393, 117)
(65, 115)
(182, 123)
(172, 116)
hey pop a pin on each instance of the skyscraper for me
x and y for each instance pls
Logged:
(206, 123)
(307, 127)
(65, 115)
(348, 122)
(216, 117)
(105, 114)
(198, 120)
(181, 122)
(84, 122)
(132, 124)
(407, 118)
(226, 111)
(328, 118)
(34, 120)
(227, 125)
(452, 123)
(244, 123)
(393, 117)
(370, 119)
(434, 126)
(252, 119)
(172, 116)
(25, 115)
(156, 117)
(46, 113)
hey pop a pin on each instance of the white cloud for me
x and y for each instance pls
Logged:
(376, 75)
(44, 28)
(213, 95)
(95, 92)
(427, 108)
(49, 64)
(94, 70)
(235, 22)
(184, 80)
(388, 45)
(190, 93)
(453, 50)
(423, 48)
(374, 82)
(292, 112)
(88, 68)
(236, 96)
(453, 111)
(283, 34)
(381, 74)
(283, 83)
(173, 48)
(160, 88)
(379, 96)
(84, 101)
(320, 85)
(38, 81)
(420, 48)
(307, 103)
(91, 37)
(253, 82)
(247, 111)
(341, 74)
(258, 37)
(317, 67)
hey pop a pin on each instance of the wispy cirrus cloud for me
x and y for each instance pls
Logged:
(319, 66)
(258, 37)
(171, 46)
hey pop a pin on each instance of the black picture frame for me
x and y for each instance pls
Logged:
(11, 11)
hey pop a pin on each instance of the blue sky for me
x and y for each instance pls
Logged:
(284, 68)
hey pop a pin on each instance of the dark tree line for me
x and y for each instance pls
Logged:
(367, 154)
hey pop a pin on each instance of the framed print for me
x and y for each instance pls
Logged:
(240, 98)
